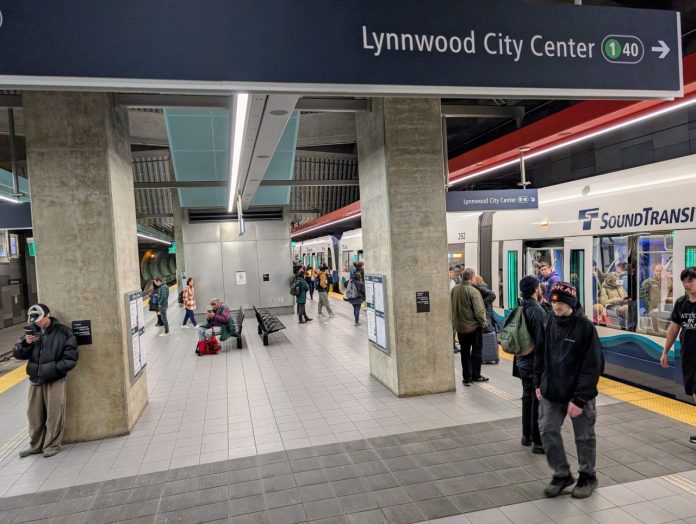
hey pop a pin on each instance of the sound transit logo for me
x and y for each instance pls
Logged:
(587, 215)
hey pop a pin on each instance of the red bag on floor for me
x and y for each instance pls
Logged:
(209, 346)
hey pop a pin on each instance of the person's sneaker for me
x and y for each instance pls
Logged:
(526, 441)
(692, 439)
(27, 453)
(302, 321)
(481, 379)
(538, 449)
(466, 382)
(185, 327)
(308, 319)
(557, 485)
(331, 315)
(585, 486)
(163, 335)
(50, 452)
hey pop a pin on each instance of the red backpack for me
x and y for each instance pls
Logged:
(208, 347)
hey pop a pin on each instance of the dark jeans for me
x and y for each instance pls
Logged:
(530, 407)
(356, 312)
(188, 315)
(311, 289)
(163, 316)
(301, 312)
(551, 417)
(471, 347)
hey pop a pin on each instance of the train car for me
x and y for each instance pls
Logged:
(622, 239)
(350, 250)
(319, 251)
(463, 239)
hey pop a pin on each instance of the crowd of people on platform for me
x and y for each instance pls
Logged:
(560, 368)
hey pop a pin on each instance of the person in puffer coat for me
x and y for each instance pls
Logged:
(51, 349)
(613, 296)
(566, 372)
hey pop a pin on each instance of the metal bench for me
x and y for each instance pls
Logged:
(239, 322)
(268, 323)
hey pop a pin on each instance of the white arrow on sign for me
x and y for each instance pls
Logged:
(663, 49)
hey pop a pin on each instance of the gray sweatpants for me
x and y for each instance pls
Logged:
(551, 417)
(324, 301)
(46, 414)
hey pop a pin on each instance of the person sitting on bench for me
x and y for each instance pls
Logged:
(216, 317)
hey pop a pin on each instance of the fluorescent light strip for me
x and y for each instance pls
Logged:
(240, 119)
(9, 199)
(615, 127)
(154, 239)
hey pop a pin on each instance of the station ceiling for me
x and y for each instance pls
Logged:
(319, 153)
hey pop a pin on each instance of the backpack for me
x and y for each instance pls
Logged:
(295, 289)
(514, 338)
(181, 297)
(209, 346)
(351, 291)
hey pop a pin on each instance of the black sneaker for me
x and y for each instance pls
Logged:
(526, 441)
(692, 439)
(557, 485)
(307, 319)
(538, 449)
(481, 379)
(466, 382)
(585, 486)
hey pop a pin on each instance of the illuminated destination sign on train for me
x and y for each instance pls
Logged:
(492, 200)
(362, 47)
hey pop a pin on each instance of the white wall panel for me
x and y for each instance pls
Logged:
(240, 257)
(205, 265)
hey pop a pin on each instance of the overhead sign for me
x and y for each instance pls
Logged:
(492, 200)
(439, 47)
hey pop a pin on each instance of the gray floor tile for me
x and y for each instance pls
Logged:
(404, 514)
(286, 515)
(322, 509)
(251, 504)
(366, 517)
(357, 503)
(391, 497)
(278, 499)
(316, 492)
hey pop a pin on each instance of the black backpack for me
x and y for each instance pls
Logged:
(181, 297)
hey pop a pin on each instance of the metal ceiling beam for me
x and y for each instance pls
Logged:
(146, 100)
(176, 184)
(10, 100)
(473, 111)
(333, 105)
(145, 216)
(309, 183)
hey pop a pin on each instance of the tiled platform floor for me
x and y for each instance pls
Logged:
(320, 438)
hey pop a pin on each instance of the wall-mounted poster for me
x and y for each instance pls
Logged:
(4, 247)
(14, 246)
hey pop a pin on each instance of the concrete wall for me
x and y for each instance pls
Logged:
(215, 253)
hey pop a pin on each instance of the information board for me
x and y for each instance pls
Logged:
(136, 328)
(492, 200)
(376, 314)
(83, 331)
(437, 47)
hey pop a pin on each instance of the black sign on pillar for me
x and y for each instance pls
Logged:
(83, 331)
(438, 47)
(422, 301)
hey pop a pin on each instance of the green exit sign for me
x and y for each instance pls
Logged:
(172, 248)
(31, 247)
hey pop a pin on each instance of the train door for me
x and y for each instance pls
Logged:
(541, 253)
(578, 271)
(512, 272)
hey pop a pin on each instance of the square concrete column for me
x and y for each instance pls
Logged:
(83, 210)
(402, 198)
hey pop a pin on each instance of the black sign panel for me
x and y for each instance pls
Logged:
(422, 301)
(497, 47)
(492, 200)
(266, 277)
(14, 281)
(83, 331)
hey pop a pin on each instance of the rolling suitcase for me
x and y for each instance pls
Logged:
(489, 351)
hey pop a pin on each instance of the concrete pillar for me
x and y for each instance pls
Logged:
(178, 238)
(83, 208)
(402, 197)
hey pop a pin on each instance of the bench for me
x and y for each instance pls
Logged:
(239, 323)
(268, 323)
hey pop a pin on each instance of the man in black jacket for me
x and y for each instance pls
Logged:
(535, 320)
(566, 372)
(51, 350)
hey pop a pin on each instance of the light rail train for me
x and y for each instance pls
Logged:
(622, 238)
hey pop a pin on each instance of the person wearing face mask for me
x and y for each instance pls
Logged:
(566, 373)
(51, 349)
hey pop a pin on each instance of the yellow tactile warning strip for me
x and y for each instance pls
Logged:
(668, 407)
(12, 378)
(336, 295)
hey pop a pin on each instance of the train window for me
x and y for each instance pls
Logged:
(654, 271)
(539, 254)
(513, 279)
(690, 256)
(577, 271)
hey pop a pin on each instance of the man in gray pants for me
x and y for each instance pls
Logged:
(566, 372)
(323, 288)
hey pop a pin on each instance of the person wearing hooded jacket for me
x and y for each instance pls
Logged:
(51, 349)
(566, 372)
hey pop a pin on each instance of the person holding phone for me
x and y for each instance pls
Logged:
(51, 349)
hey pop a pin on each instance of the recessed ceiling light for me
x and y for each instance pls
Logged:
(278, 112)
(564, 133)
(523, 149)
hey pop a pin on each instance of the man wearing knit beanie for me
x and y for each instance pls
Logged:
(566, 373)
